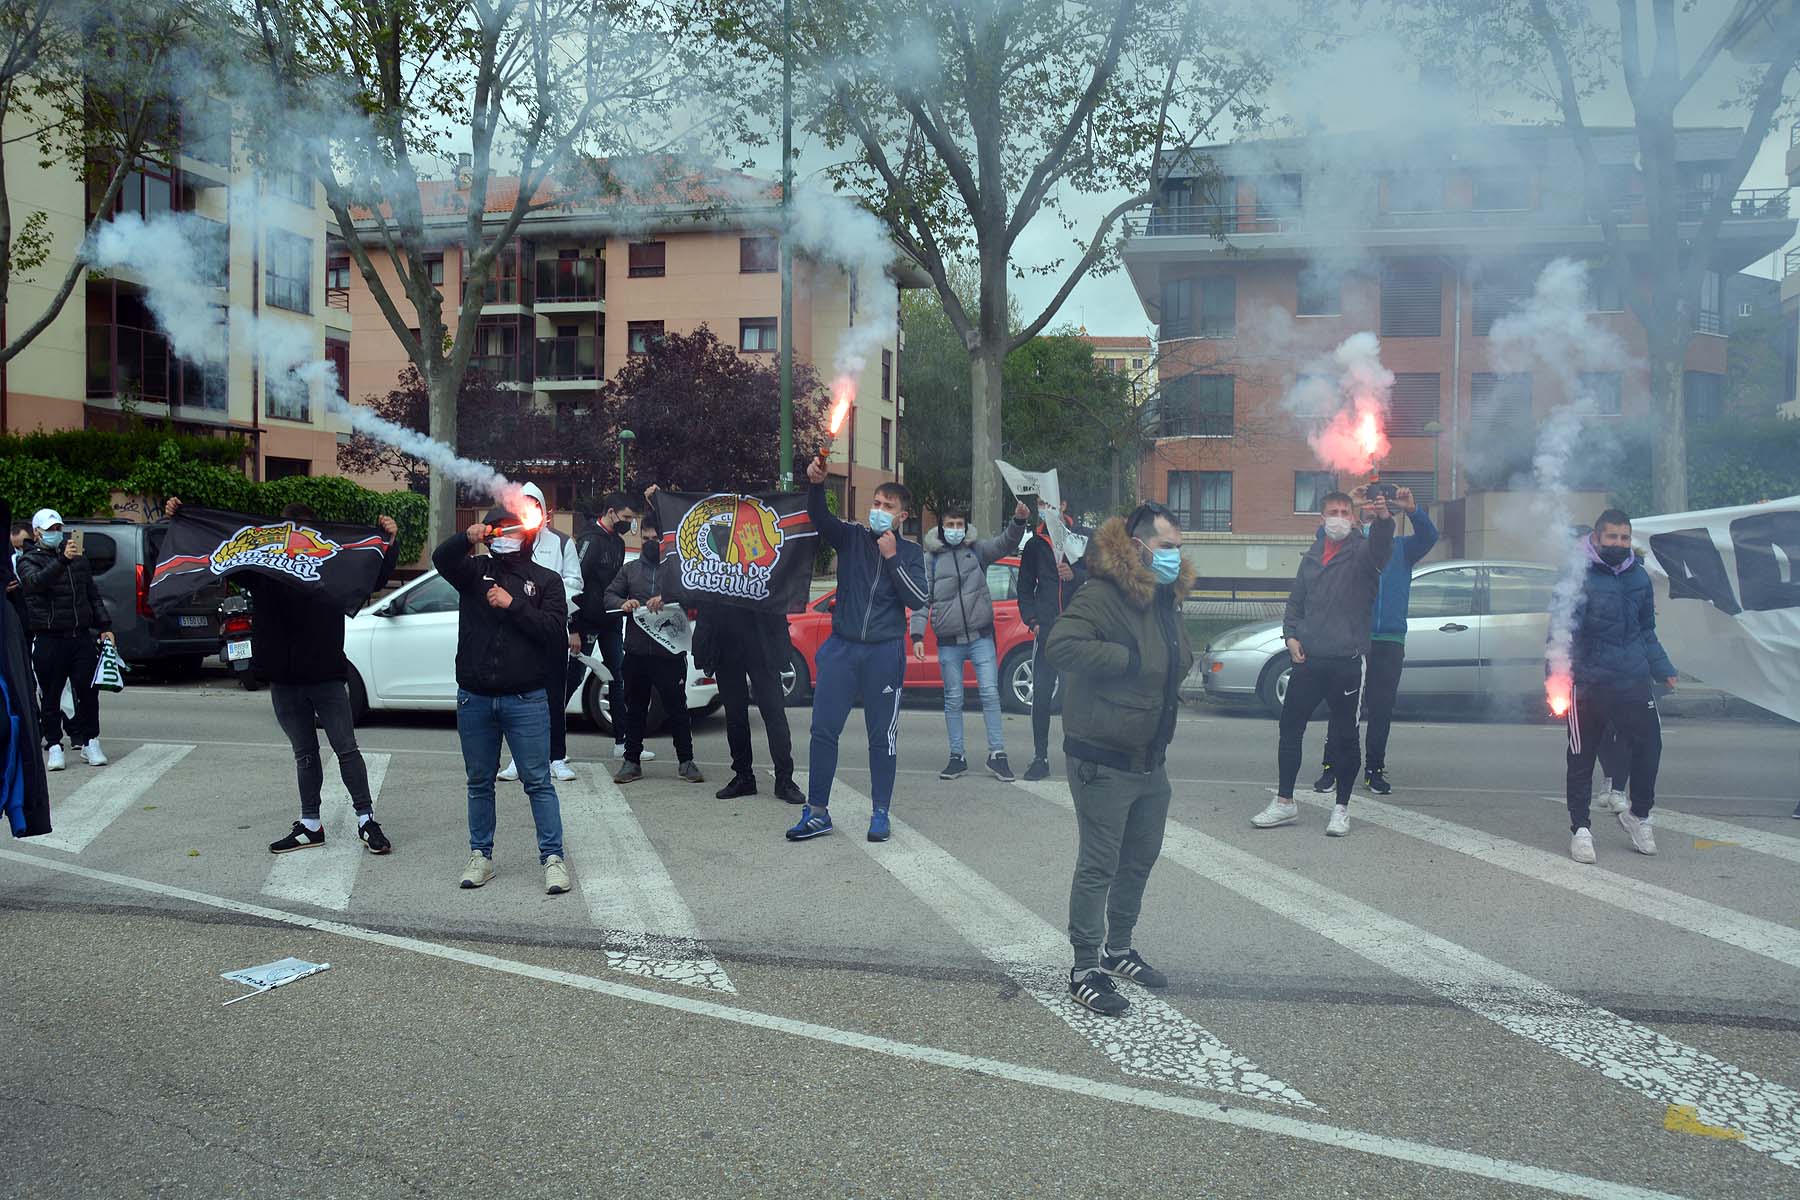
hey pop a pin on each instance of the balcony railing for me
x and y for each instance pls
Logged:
(1210, 220)
(338, 297)
(1790, 263)
(564, 358)
(503, 368)
(570, 280)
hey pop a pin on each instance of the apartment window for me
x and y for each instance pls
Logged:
(1137, 364)
(1218, 307)
(1498, 405)
(434, 269)
(1415, 192)
(337, 353)
(1605, 390)
(1277, 196)
(1497, 294)
(1745, 309)
(1311, 488)
(1706, 319)
(759, 254)
(337, 275)
(639, 335)
(887, 374)
(287, 273)
(887, 444)
(1198, 406)
(1604, 293)
(286, 397)
(1201, 500)
(1412, 301)
(1702, 397)
(295, 186)
(285, 468)
(1413, 403)
(1321, 294)
(645, 260)
(1501, 191)
(1177, 309)
(1423, 484)
(756, 335)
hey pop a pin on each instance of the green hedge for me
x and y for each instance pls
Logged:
(108, 454)
(29, 484)
(1731, 462)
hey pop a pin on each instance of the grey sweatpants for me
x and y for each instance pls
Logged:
(1120, 817)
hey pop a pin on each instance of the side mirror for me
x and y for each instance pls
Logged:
(387, 610)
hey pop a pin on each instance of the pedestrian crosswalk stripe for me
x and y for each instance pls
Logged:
(1333, 1137)
(1154, 1040)
(84, 815)
(1721, 833)
(1767, 1113)
(628, 890)
(325, 876)
(1641, 899)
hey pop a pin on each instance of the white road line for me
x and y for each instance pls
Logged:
(1480, 1166)
(1667, 1071)
(1713, 829)
(628, 890)
(1154, 1040)
(100, 801)
(325, 876)
(1641, 899)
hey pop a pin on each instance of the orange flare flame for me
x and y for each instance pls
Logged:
(843, 395)
(1559, 691)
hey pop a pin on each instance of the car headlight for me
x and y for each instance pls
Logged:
(1243, 635)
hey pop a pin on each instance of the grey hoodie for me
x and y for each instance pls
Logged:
(1331, 607)
(962, 609)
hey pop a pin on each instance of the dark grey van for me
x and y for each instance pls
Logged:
(176, 637)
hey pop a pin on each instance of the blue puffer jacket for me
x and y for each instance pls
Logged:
(873, 592)
(1396, 577)
(1615, 629)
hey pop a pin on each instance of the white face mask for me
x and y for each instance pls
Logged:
(507, 545)
(1337, 528)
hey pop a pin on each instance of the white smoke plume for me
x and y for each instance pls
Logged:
(831, 228)
(1348, 391)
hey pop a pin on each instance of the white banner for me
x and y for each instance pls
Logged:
(1728, 597)
(1044, 486)
(669, 627)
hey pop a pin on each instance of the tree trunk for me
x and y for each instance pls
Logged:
(441, 424)
(1112, 500)
(984, 434)
(1668, 427)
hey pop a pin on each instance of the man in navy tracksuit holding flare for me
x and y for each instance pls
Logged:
(880, 576)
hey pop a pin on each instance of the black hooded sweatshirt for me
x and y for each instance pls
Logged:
(501, 651)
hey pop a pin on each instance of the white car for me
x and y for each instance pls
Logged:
(402, 652)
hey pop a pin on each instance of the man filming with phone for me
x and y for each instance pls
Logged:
(68, 622)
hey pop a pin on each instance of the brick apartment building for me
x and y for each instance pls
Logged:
(585, 284)
(1132, 357)
(1266, 254)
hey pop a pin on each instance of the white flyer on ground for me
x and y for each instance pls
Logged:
(1043, 485)
(669, 628)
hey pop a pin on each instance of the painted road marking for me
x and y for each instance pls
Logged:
(628, 890)
(1562, 1183)
(1640, 899)
(325, 876)
(94, 805)
(1684, 1118)
(1716, 833)
(1154, 1040)
(1622, 1050)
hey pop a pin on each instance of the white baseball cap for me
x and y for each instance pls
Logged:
(44, 518)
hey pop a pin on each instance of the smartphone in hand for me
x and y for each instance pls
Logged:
(78, 542)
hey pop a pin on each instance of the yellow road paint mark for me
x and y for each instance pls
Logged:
(1685, 1118)
(1709, 844)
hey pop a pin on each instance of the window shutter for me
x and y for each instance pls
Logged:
(1414, 403)
(1412, 301)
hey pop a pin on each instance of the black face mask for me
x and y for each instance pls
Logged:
(651, 552)
(1612, 556)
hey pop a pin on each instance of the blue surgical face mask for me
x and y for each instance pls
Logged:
(955, 536)
(1367, 525)
(1165, 565)
(1047, 515)
(880, 520)
(51, 537)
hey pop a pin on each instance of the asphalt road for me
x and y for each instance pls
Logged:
(1439, 1005)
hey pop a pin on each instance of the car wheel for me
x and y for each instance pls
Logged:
(796, 681)
(1017, 681)
(592, 708)
(359, 699)
(1272, 688)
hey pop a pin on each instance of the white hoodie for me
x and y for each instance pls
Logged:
(556, 551)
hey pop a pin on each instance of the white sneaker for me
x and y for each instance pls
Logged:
(1581, 847)
(559, 771)
(1614, 801)
(510, 774)
(92, 755)
(644, 757)
(556, 875)
(1279, 812)
(1642, 839)
(1339, 825)
(53, 758)
(479, 870)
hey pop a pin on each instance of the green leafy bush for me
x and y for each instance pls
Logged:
(112, 454)
(29, 484)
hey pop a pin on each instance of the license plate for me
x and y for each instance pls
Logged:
(193, 622)
(236, 651)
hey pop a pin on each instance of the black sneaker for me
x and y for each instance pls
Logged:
(628, 772)
(740, 785)
(301, 839)
(956, 768)
(1039, 769)
(1377, 782)
(998, 768)
(788, 792)
(373, 838)
(1131, 965)
(1095, 991)
(1326, 782)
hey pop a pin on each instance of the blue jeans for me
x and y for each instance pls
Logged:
(523, 719)
(987, 678)
(876, 671)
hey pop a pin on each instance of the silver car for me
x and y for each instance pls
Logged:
(1473, 629)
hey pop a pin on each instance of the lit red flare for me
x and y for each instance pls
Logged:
(531, 518)
(1559, 691)
(843, 395)
(1368, 435)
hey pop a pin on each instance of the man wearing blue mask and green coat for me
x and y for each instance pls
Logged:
(1123, 645)
(880, 576)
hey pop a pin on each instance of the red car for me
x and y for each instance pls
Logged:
(1013, 644)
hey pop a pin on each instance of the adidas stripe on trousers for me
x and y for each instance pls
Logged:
(875, 672)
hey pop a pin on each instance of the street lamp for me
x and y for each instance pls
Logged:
(625, 435)
(1435, 430)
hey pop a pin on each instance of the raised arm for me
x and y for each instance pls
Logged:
(453, 561)
(1417, 544)
(834, 531)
